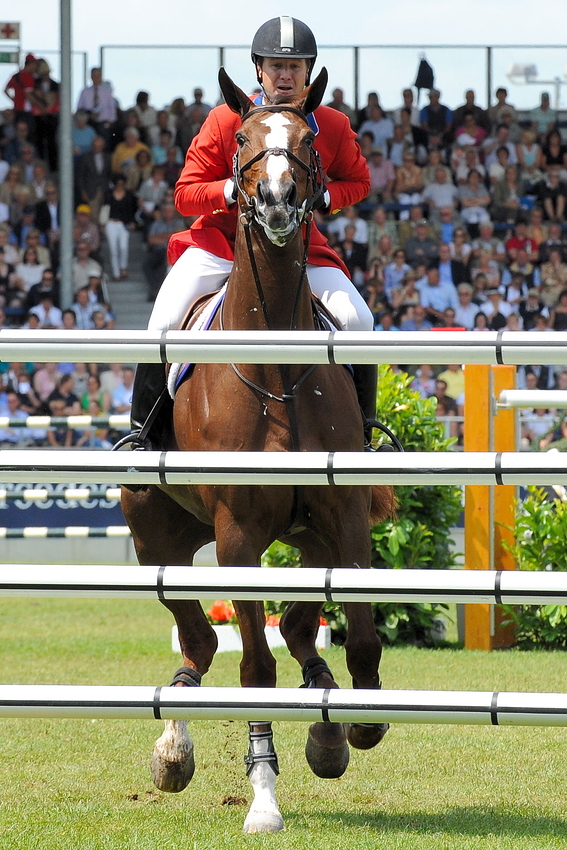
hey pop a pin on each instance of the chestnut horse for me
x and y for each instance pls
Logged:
(266, 408)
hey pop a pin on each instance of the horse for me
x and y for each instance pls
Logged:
(230, 407)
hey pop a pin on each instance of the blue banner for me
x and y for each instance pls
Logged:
(58, 512)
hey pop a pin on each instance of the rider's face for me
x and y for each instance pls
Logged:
(282, 76)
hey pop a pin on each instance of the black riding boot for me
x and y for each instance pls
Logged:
(150, 416)
(366, 383)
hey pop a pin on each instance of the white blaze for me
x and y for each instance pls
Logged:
(276, 138)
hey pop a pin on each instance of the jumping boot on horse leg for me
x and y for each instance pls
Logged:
(150, 416)
(366, 382)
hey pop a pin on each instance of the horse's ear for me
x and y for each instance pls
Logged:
(234, 97)
(314, 94)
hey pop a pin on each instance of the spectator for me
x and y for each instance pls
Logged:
(467, 310)
(93, 176)
(474, 200)
(139, 171)
(448, 402)
(437, 296)
(49, 316)
(520, 240)
(84, 266)
(469, 132)
(121, 399)
(60, 436)
(434, 161)
(469, 106)
(497, 170)
(83, 310)
(436, 119)
(47, 285)
(553, 278)
(19, 89)
(531, 309)
(83, 135)
(440, 194)
(125, 152)
(554, 152)
(506, 197)
(421, 247)
(405, 297)
(64, 391)
(44, 382)
(382, 177)
(99, 104)
(395, 272)
(145, 112)
(553, 195)
(122, 205)
(150, 196)
(537, 230)
(460, 249)
(354, 256)
(338, 103)
(500, 107)
(522, 266)
(558, 315)
(487, 241)
(193, 119)
(554, 240)
(155, 264)
(382, 128)
(378, 226)
(84, 230)
(543, 118)
(349, 216)
(407, 103)
(491, 145)
(530, 160)
(29, 271)
(449, 222)
(496, 309)
(450, 271)
(424, 381)
(96, 394)
(463, 160)
(409, 184)
(487, 269)
(454, 379)
(414, 137)
(47, 221)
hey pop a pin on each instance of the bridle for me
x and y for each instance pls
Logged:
(313, 169)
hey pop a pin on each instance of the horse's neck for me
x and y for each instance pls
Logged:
(279, 271)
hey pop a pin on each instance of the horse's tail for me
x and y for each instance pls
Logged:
(384, 504)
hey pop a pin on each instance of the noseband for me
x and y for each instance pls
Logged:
(313, 168)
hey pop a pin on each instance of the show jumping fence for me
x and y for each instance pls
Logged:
(477, 469)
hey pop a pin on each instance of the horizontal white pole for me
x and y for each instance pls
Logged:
(337, 584)
(483, 708)
(283, 468)
(508, 347)
(532, 398)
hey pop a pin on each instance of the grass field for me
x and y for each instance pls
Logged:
(85, 784)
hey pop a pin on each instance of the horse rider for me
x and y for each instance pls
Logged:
(283, 51)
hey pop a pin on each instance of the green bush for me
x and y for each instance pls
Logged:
(419, 537)
(539, 544)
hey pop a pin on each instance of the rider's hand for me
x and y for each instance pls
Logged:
(230, 191)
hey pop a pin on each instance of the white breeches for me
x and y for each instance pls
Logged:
(197, 272)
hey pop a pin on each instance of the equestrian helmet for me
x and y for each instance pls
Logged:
(284, 36)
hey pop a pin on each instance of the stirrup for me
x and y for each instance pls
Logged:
(394, 446)
(135, 439)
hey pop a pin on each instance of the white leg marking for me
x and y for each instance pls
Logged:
(264, 814)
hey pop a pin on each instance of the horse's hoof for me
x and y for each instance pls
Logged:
(327, 762)
(172, 776)
(365, 736)
(263, 822)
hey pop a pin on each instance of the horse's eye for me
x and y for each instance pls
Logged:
(240, 139)
(309, 141)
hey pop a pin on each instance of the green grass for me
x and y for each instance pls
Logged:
(85, 784)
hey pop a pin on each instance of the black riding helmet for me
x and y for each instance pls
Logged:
(284, 36)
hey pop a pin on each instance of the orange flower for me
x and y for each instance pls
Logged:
(323, 622)
(221, 612)
(273, 620)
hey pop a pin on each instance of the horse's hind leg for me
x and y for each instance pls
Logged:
(363, 652)
(164, 533)
(326, 749)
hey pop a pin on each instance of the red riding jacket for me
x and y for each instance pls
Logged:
(208, 165)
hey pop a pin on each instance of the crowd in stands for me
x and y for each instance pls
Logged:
(463, 225)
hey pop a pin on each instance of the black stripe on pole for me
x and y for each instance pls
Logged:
(163, 347)
(159, 588)
(157, 703)
(325, 706)
(497, 587)
(330, 461)
(494, 709)
(328, 591)
(330, 347)
(499, 358)
(162, 470)
(498, 468)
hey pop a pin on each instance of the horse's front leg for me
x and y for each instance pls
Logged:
(363, 653)
(326, 749)
(258, 669)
